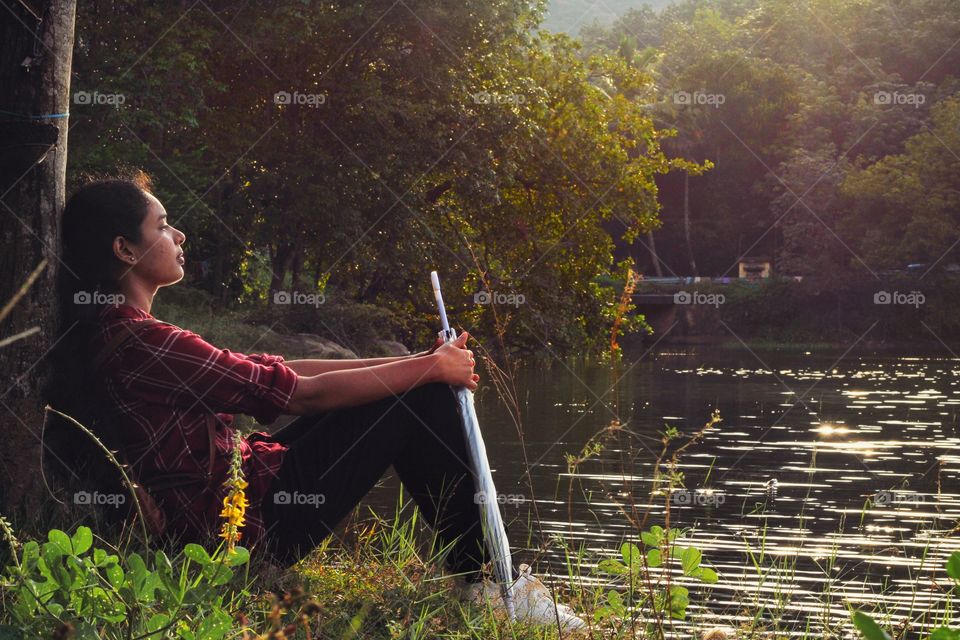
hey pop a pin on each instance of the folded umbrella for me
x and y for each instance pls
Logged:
(494, 534)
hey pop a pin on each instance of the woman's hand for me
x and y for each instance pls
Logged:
(455, 363)
(429, 351)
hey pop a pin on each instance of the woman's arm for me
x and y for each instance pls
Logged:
(451, 363)
(316, 367)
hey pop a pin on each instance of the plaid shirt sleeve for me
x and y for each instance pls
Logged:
(167, 365)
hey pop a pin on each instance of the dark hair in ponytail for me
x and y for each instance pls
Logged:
(99, 211)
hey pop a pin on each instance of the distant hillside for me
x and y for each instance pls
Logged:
(569, 16)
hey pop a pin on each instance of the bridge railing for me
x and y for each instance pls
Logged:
(687, 280)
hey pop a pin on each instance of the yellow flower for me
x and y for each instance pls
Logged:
(235, 502)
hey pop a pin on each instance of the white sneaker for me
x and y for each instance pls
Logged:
(531, 601)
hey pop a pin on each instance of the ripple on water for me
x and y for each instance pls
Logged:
(828, 483)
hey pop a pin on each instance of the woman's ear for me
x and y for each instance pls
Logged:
(122, 250)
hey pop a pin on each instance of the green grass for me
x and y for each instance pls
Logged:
(390, 583)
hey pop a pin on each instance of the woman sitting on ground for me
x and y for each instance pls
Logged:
(169, 394)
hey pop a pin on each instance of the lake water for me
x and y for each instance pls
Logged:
(832, 481)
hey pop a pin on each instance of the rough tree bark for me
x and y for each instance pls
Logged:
(686, 222)
(36, 48)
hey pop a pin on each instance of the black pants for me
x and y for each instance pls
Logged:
(336, 457)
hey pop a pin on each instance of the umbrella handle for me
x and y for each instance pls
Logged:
(435, 284)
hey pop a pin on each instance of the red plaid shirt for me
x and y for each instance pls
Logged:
(164, 382)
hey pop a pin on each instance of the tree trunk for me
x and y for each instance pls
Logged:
(653, 253)
(281, 258)
(686, 222)
(218, 270)
(296, 267)
(219, 278)
(36, 49)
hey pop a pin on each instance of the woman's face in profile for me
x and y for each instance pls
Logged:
(159, 255)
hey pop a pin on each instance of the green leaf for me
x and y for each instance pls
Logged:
(169, 586)
(217, 574)
(82, 540)
(707, 575)
(599, 614)
(51, 554)
(215, 626)
(31, 552)
(870, 629)
(197, 553)
(690, 560)
(104, 606)
(101, 558)
(157, 622)
(136, 572)
(615, 600)
(44, 570)
(148, 590)
(202, 594)
(653, 537)
(654, 558)
(613, 567)
(86, 631)
(79, 573)
(61, 540)
(631, 555)
(953, 565)
(115, 575)
(162, 563)
(943, 633)
(679, 600)
(240, 556)
(23, 610)
(8, 632)
(143, 581)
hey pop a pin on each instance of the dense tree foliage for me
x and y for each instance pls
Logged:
(830, 124)
(353, 147)
(350, 148)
